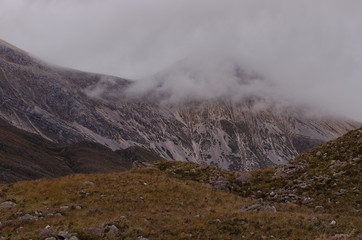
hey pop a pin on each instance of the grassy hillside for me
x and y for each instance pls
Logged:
(26, 156)
(327, 176)
(317, 196)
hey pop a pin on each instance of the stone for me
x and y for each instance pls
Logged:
(88, 183)
(28, 217)
(111, 230)
(47, 232)
(293, 196)
(243, 179)
(64, 234)
(341, 192)
(318, 153)
(38, 213)
(7, 204)
(193, 171)
(333, 222)
(222, 185)
(73, 238)
(307, 200)
(64, 207)
(51, 238)
(318, 208)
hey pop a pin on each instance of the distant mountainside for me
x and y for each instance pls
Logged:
(26, 156)
(68, 106)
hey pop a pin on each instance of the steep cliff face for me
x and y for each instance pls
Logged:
(68, 106)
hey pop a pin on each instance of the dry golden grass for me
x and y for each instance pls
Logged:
(146, 202)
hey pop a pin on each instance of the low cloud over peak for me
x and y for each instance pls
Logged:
(308, 51)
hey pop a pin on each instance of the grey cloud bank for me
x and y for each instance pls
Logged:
(305, 51)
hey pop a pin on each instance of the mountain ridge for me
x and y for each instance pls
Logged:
(67, 106)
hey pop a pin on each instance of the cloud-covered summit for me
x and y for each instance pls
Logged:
(308, 51)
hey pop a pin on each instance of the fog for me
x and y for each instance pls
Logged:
(307, 52)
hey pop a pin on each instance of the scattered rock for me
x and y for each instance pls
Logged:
(78, 207)
(111, 230)
(293, 196)
(73, 238)
(259, 207)
(333, 222)
(51, 238)
(318, 153)
(318, 208)
(28, 217)
(341, 192)
(340, 236)
(215, 221)
(222, 185)
(7, 204)
(38, 213)
(58, 215)
(307, 200)
(95, 231)
(64, 235)
(88, 183)
(243, 179)
(64, 207)
(47, 232)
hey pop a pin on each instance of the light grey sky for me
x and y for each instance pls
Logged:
(309, 50)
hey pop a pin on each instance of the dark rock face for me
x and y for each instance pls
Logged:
(68, 106)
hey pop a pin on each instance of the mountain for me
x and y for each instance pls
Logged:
(316, 196)
(67, 106)
(26, 156)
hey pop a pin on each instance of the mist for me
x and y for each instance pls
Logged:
(307, 52)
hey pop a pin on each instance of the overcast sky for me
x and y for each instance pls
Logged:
(309, 50)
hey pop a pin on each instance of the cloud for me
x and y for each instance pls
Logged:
(309, 51)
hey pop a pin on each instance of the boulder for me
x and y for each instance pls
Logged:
(318, 208)
(28, 217)
(222, 185)
(111, 230)
(47, 232)
(243, 179)
(7, 204)
(64, 235)
(51, 238)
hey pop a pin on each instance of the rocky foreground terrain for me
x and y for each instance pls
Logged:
(67, 106)
(316, 196)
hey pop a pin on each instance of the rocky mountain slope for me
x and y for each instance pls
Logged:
(316, 196)
(68, 106)
(26, 156)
